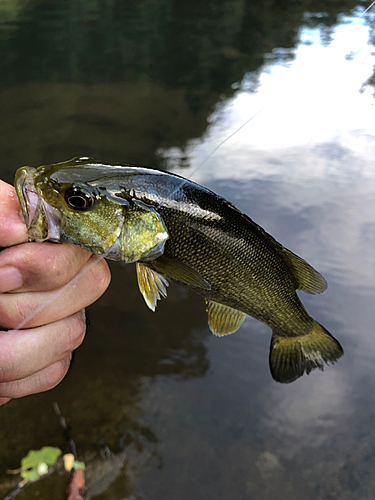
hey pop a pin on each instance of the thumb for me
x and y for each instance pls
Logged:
(12, 225)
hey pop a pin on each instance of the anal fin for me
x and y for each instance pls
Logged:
(151, 285)
(223, 320)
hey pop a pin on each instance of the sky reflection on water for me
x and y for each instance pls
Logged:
(313, 102)
(303, 168)
(200, 416)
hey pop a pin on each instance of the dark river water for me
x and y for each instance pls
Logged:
(158, 407)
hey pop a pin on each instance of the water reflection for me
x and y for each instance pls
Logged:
(119, 73)
(163, 84)
(101, 397)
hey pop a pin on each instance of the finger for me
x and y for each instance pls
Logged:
(38, 382)
(26, 352)
(10, 279)
(42, 266)
(31, 309)
(12, 225)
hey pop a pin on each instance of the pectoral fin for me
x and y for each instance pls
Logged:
(223, 320)
(151, 285)
(181, 272)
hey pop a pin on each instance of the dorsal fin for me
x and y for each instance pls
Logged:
(223, 320)
(307, 278)
(151, 285)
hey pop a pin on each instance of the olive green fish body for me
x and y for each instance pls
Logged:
(245, 267)
(174, 228)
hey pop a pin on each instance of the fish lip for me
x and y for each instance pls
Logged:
(35, 208)
(24, 184)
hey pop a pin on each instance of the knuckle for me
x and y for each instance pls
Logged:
(15, 311)
(76, 325)
(55, 373)
(49, 265)
(5, 316)
(23, 312)
(101, 276)
(65, 262)
(10, 362)
(6, 368)
(45, 265)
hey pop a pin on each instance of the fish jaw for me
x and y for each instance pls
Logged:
(42, 220)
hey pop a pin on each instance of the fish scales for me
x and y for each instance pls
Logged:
(175, 229)
(235, 244)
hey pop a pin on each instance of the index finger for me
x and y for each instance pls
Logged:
(12, 225)
(44, 266)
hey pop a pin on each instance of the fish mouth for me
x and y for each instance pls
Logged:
(42, 220)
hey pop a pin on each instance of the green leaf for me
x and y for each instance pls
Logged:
(34, 464)
(78, 465)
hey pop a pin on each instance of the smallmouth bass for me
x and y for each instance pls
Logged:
(175, 229)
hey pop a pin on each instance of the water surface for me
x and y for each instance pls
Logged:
(158, 407)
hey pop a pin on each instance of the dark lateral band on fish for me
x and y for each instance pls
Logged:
(175, 229)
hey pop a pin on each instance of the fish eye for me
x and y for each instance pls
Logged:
(78, 199)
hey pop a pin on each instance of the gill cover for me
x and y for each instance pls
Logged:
(143, 235)
(66, 207)
(126, 232)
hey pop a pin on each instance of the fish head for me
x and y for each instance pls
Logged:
(80, 201)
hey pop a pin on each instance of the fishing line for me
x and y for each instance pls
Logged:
(59, 292)
(252, 117)
(229, 137)
(368, 8)
(180, 186)
(354, 53)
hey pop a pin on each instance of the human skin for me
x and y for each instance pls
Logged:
(44, 288)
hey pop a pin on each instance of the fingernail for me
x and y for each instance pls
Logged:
(10, 279)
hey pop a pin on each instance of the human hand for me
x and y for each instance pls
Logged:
(49, 285)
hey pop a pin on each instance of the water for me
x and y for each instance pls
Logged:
(158, 407)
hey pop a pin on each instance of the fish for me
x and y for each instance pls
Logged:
(174, 229)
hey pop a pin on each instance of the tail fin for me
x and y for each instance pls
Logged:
(290, 357)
